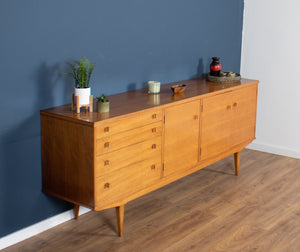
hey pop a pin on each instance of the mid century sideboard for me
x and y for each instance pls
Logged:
(146, 141)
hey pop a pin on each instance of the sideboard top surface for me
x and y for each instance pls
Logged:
(134, 101)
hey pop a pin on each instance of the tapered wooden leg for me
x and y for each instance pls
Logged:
(73, 101)
(76, 211)
(237, 162)
(77, 105)
(120, 218)
(91, 104)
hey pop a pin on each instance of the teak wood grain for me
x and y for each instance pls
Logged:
(106, 160)
(128, 122)
(129, 137)
(134, 177)
(67, 160)
(181, 144)
(227, 120)
(115, 160)
(125, 105)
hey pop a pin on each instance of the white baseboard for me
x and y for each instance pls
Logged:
(39, 227)
(274, 149)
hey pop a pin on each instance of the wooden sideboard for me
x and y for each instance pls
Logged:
(146, 141)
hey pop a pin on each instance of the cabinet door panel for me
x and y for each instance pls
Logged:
(181, 137)
(244, 115)
(215, 124)
(227, 120)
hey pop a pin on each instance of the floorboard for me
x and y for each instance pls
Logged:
(210, 210)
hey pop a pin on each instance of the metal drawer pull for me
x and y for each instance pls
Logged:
(153, 167)
(153, 146)
(234, 104)
(228, 107)
(106, 129)
(154, 130)
(106, 162)
(154, 116)
(106, 145)
(106, 185)
(196, 117)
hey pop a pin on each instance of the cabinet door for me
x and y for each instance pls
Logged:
(181, 145)
(227, 120)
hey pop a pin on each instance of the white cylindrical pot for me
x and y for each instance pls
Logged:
(153, 87)
(84, 95)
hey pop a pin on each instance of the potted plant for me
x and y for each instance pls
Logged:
(81, 73)
(102, 104)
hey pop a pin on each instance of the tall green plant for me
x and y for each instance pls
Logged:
(81, 72)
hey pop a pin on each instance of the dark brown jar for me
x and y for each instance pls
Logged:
(215, 66)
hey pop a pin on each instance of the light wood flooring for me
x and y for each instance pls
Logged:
(210, 210)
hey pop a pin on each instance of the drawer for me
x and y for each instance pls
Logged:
(124, 139)
(129, 122)
(126, 180)
(112, 161)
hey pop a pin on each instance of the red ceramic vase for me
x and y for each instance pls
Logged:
(215, 66)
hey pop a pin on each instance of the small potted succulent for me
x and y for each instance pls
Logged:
(102, 104)
(81, 73)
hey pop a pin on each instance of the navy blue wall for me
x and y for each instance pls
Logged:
(131, 41)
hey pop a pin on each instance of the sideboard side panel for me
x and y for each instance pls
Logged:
(67, 160)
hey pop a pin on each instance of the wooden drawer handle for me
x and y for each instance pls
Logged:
(154, 116)
(106, 129)
(106, 185)
(153, 146)
(106, 162)
(153, 167)
(228, 107)
(234, 104)
(106, 145)
(153, 130)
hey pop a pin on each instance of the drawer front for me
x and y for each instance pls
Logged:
(134, 121)
(112, 161)
(127, 138)
(128, 179)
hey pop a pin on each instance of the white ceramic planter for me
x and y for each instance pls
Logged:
(84, 95)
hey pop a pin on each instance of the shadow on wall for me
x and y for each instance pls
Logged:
(200, 70)
(199, 73)
(131, 87)
(22, 202)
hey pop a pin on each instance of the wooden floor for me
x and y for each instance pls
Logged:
(210, 210)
